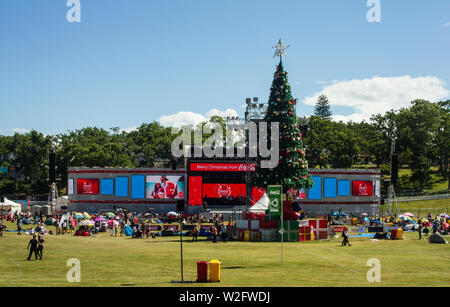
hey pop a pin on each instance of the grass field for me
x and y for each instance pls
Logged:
(122, 261)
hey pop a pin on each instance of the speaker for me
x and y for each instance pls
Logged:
(394, 175)
(180, 205)
(52, 167)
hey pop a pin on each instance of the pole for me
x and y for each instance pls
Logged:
(181, 248)
(282, 226)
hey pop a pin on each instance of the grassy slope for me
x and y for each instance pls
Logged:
(109, 261)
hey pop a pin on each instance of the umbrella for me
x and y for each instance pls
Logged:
(99, 219)
(86, 215)
(87, 223)
(444, 215)
(78, 216)
(172, 213)
(408, 214)
(110, 214)
(113, 221)
(364, 214)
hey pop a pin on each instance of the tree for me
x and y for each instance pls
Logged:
(330, 144)
(443, 141)
(322, 108)
(292, 169)
(417, 129)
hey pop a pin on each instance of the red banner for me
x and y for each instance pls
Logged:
(221, 167)
(195, 190)
(221, 190)
(257, 193)
(87, 186)
(362, 188)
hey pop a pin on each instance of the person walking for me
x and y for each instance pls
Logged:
(195, 233)
(19, 226)
(224, 233)
(40, 247)
(1, 228)
(419, 230)
(214, 232)
(345, 237)
(32, 246)
(122, 227)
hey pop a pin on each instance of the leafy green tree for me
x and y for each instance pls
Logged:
(418, 127)
(322, 108)
(330, 144)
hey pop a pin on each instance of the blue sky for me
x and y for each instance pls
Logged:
(129, 62)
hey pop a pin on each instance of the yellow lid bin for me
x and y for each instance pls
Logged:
(214, 270)
(400, 234)
(247, 235)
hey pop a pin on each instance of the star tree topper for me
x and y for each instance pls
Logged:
(280, 50)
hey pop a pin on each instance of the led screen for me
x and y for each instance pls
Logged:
(343, 187)
(329, 187)
(221, 167)
(87, 186)
(362, 188)
(122, 186)
(165, 187)
(107, 186)
(316, 191)
(223, 190)
(138, 186)
(195, 190)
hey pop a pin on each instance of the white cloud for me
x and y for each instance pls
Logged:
(20, 130)
(129, 129)
(190, 118)
(446, 24)
(379, 94)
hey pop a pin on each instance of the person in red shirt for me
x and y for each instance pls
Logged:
(169, 187)
(158, 192)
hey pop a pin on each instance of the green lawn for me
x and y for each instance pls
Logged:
(121, 261)
(422, 208)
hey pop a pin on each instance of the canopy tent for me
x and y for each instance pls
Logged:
(261, 205)
(9, 205)
(62, 201)
(436, 238)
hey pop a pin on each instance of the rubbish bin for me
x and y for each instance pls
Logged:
(202, 271)
(400, 234)
(247, 234)
(214, 270)
(394, 234)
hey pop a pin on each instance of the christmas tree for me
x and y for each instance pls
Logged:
(292, 169)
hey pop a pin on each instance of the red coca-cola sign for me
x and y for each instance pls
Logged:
(87, 186)
(221, 167)
(362, 188)
(220, 190)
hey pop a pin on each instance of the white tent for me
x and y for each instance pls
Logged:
(62, 201)
(261, 205)
(9, 205)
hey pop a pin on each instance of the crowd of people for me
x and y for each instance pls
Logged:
(143, 225)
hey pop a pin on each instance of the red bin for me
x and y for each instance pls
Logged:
(202, 271)
(394, 234)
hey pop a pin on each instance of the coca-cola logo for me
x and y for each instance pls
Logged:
(223, 190)
(87, 187)
(363, 188)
